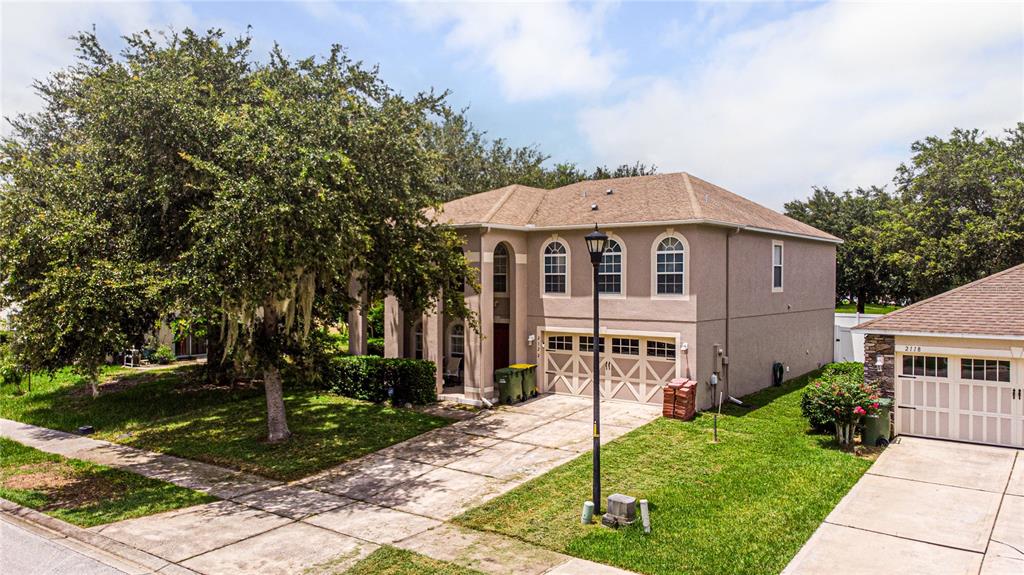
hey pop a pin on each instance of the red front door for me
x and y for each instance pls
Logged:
(500, 345)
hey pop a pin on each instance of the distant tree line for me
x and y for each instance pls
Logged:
(956, 214)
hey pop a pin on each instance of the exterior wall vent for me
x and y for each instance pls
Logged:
(593, 207)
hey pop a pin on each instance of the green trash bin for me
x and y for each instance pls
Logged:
(510, 384)
(529, 374)
(877, 428)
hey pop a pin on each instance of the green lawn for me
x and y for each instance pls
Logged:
(394, 561)
(174, 412)
(745, 505)
(874, 308)
(83, 493)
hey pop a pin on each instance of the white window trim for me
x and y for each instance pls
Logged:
(448, 337)
(624, 276)
(508, 268)
(568, 268)
(685, 296)
(419, 334)
(782, 266)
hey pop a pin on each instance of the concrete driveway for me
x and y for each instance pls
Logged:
(926, 506)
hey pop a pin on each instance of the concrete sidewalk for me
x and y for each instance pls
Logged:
(926, 506)
(402, 496)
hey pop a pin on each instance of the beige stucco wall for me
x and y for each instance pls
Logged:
(794, 326)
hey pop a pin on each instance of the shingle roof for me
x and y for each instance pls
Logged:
(677, 197)
(990, 306)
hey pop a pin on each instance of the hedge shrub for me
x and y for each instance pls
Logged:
(375, 346)
(813, 410)
(379, 379)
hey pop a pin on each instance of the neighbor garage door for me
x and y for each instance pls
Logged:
(633, 368)
(966, 398)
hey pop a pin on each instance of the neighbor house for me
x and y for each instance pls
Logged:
(955, 363)
(696, 281)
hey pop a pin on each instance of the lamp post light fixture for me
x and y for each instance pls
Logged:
(597, 241)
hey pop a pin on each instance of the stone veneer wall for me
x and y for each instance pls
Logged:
(884, 376)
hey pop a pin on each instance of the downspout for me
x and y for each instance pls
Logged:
(728, 317)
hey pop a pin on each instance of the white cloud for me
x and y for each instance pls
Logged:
(832, 95)
(537, 50)
(35, 39)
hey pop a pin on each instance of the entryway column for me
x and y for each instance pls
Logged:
(394, 328)
(357, 324)
(433, 343)
(519, 311)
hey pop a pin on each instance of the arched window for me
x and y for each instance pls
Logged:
(500, 269)
(609, 273)
(457, 340)
(670, 267)
(556, 265)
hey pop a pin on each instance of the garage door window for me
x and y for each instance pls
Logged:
(926, 365)
(662, 349)
(587, 344)
(624, 346)
(985, 369)
(560, 342)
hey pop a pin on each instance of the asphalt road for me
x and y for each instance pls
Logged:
(26, 553)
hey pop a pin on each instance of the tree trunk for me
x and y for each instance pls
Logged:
(860, 302)
(277, 424)
(94, 386)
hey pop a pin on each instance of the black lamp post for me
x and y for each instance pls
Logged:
(596, 243)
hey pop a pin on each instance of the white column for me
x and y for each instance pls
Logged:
(433, 343)
(357, 324)
(394, 328)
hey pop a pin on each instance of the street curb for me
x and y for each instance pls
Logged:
(128, 559)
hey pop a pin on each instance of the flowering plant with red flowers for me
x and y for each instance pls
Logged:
(841, 399)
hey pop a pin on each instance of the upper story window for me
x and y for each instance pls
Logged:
(985, 369)
(457, 340)
(556, 266)
(609, 273)
(776, 266)
(501, 269)
(926, 365)
(670, 267)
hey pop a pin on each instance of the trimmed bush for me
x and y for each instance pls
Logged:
(375, 346)
(820, 417)
(379, 379)
(163, 355)
(838, 400)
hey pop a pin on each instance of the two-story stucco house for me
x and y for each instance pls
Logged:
(696, 280)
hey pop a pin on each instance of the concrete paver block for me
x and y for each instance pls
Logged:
(947, 462)
(486, 552)
(838, 550)
(441, 494)
(368, 476)
(503, 424)
(558, 434)
(178, 535)
(293, 501)
(372, 522)
(509, 460)
(952, 516)
(294, 548)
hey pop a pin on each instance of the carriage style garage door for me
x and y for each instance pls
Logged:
(966, 398)
(633, 368)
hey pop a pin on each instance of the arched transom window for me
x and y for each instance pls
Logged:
(555, 268)
(670, 267)
(609, 273)
(501, 269)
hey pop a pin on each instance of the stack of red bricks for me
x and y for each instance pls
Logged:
(680, 400)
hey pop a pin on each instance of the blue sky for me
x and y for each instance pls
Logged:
(767, 99)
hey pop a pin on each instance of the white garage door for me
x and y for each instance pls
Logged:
(632, 368)
(965, 398)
